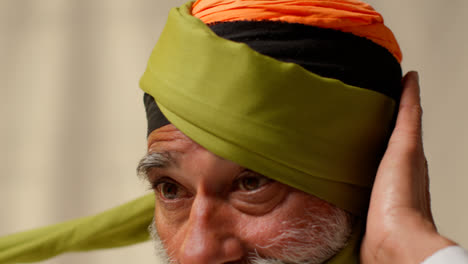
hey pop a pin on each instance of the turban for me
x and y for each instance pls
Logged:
(303, 92)
(317, 118)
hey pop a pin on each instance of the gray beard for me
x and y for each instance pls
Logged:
(311, 241)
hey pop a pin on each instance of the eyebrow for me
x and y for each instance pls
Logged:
(152, 160)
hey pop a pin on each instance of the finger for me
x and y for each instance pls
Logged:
(408, 125)
(411, 92)
(407, 140)
(402, 168)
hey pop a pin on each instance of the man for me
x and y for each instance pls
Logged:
(274, 173)
(211, 209)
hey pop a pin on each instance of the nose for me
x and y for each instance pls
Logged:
(209, 236)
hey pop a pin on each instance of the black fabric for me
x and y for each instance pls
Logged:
(329, 53)
(154, 116)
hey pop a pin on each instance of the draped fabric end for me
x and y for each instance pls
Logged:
(121, 226)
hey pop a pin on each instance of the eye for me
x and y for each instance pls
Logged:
(170, 190)
(252, 182)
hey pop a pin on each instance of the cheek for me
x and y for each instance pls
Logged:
(166, 230)
(261, 232)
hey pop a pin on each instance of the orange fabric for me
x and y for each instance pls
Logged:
(350, 16)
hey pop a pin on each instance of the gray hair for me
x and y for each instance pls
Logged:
(311, 241)
(153, 160)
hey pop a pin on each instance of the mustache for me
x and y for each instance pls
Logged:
(314, 241)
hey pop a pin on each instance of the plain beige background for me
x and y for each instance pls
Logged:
(72, 120)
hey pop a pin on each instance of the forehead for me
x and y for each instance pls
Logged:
(189, 163)
(170, 139)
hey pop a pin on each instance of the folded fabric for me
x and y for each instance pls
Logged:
(350, 16)
(121, 226)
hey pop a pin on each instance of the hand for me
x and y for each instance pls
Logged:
(400, 228)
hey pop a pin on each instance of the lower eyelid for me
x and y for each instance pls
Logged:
(257, 196)
(173, 205)
(173, 212)
(254, 207)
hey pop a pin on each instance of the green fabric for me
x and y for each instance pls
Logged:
(121, 226)
(316, 134)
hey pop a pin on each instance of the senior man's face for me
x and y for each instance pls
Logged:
(210, 210)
